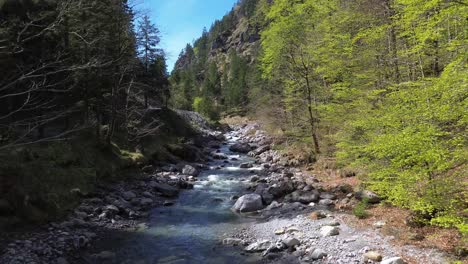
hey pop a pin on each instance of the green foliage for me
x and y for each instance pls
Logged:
(205, 107)
(359, 209)
(381, 85)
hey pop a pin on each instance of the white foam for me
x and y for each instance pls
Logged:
(213, 177)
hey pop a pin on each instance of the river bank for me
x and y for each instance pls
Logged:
(181, 213)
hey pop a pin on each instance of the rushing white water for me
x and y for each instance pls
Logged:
(190, 230)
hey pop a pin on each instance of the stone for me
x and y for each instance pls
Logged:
(326, 231)
(291, 242)
(318, 254)
(280, 189)
(273, 205)
(248, 203)
(333, 223)
(317, 215)
(280, 231)
(260, 150)
(219, 156)
(112, 209)
(147, 169)
(326, 202)
(373, 256)
(232, 241)
(329, 196)
(147, 194)
(80, 215)
(371, 197)
(129, 195)
(258, 246)
(165, 189)
(379, 224)
(394, 260)
(267, 197)
(76, 191)
(254, 178)
(246, 165)
(168, 203)
(190, 170)
(146, 202)
(240, 147)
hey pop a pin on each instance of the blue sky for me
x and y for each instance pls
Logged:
(182, 21)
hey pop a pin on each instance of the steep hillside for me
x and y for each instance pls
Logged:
(375, 88)
(214, 74)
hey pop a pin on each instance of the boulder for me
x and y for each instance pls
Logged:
(291, 242)
(258, 246)
(165, 189)
(281, 189)
(246, 165)
(248, 203)
(240, 147)
(371, 197)
(329, 231)
(128, 195)
(145, 202)
(111, 209)
(219, 156)
(190, 170)
(260, 150)
(232, 241)
(372, 255)
(325, 202)
(318, 254)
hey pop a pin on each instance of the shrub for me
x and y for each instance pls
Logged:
(360, 209)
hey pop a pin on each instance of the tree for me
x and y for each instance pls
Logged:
(148, 40)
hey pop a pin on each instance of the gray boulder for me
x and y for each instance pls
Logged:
(190, 170)
(246, 165)
(318, 254)
(258, 246)
(371, 197)
(240, 147)
(260, 150)
(291, 242)
(165, 189)
(128, 195)
(329, 231)
(248, 203)
(280, 189)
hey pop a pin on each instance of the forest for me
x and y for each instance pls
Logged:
(379, 86)
(376, 90)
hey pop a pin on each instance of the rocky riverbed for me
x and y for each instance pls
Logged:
(299, 222)
(249, 205)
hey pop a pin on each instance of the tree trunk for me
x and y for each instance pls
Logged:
(311, 117)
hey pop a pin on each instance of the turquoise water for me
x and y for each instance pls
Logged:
(190, 231)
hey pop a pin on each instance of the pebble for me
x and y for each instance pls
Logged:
(318, 254)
